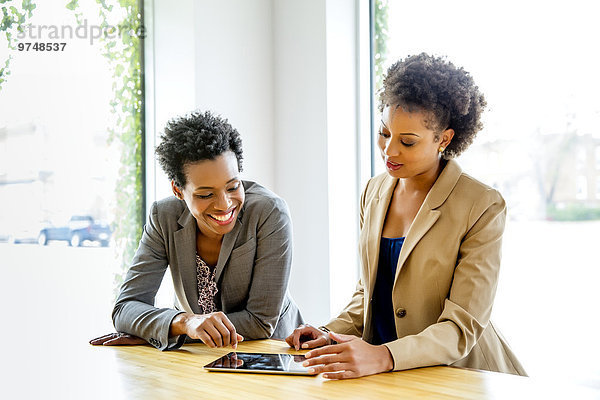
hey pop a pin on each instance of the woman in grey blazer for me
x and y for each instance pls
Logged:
(228, 243)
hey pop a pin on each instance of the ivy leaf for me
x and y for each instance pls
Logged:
(72, 5)
(13, 18)
(29, 6)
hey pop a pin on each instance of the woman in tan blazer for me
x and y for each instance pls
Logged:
(430, 242)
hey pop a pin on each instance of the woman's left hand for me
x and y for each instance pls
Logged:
(352, 357)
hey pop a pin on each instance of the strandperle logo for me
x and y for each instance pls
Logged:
(81, 31)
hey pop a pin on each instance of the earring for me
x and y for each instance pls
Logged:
(441, 149)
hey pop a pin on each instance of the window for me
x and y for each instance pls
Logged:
(70, 134)
(581, 158)
(532, 60)
(582, 187)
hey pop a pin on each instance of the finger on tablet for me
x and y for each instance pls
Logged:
(290, 340)
(296, 338)
(304, 333)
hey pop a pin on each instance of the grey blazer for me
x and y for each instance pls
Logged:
(252, 272)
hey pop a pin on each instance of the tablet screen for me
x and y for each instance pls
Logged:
(260, 363)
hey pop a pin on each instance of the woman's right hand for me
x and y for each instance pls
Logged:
(307, 337)
(214, 329)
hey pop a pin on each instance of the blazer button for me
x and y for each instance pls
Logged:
(401, 313)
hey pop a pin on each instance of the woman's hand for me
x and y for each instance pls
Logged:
(117, 339)
(214, 329)
(352, 357)
(307, 337)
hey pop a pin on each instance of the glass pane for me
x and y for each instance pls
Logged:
(64, 163)
(535, 62)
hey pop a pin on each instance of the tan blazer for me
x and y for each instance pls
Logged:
(446, 276)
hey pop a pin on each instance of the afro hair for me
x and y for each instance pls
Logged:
(195, 137)
(424, 83)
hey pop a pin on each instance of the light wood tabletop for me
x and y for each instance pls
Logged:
(134, 372)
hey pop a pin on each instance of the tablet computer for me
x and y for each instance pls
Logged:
(289, 364)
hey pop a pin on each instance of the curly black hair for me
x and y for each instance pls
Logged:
(195, 137)
(446, 93)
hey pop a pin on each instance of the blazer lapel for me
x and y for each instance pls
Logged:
(373, 226)
(422, 223)
(375, 218)
(229, 240)
(428, 213)
(185, 245)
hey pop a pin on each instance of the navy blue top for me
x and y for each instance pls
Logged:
(384, 327)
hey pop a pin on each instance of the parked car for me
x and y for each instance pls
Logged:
(79, 229)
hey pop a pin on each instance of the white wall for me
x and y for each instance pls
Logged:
(342, 144)
(234, 75)
(284, 73)
(301, 157)
(170, 79)
(211, 55)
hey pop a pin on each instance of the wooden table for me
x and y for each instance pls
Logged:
(83, 371)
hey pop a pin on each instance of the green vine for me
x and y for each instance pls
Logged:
(13, 20)
(380, 41)
(124, 53)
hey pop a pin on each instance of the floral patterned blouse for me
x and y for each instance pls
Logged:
(207, 287)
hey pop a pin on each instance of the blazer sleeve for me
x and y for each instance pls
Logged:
(134, 310)
(466, 310)
(351, 320)
(270, 276)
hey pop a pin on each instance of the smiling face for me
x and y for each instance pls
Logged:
(213, 193)
(408, 147)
